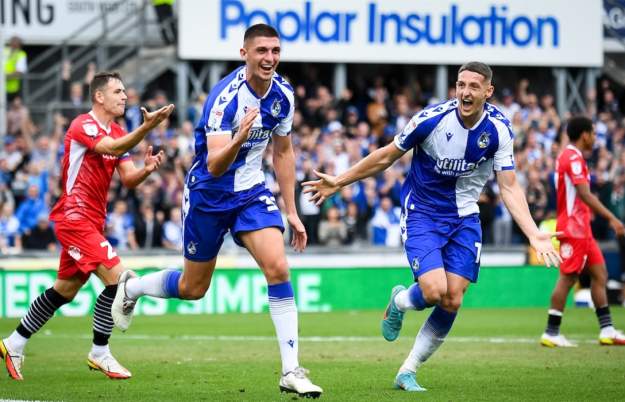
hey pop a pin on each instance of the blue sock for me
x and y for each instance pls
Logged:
(431, 335)
(282, 290)
(171, 284)
(440, 321)
(416, 297)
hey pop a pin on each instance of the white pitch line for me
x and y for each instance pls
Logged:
(314, 339)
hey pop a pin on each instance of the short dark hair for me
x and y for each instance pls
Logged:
(100, 80)
(478, 67)
(263, 30)
(577, 126)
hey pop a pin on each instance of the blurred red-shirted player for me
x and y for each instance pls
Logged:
(95, 146)
(578, 247)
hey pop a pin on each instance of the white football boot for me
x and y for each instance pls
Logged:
(108, 365)
(297, 382)
(556, 341)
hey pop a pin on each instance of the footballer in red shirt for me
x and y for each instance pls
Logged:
(95, 146)
(578, 248)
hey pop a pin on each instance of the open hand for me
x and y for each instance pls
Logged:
(321, 189)
(299, 232)
(543, 246)
(153, 162)
(245, 125)
(153, 119)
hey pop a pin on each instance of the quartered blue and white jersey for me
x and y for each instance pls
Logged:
(224, 108)
(451, 163)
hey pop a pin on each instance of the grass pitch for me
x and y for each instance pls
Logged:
(490, 355)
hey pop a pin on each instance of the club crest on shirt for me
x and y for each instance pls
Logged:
(483, 141)
(576, 167)
(276, 108)
(90, 129)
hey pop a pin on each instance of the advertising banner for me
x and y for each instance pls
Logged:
(78, 22)
(499, 32)
(316, 290)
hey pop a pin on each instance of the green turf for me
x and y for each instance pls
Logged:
(185, 360)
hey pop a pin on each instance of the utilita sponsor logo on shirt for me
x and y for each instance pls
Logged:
(457, 167)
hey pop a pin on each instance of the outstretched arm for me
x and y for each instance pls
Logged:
(284, 166)
(121, 145)
(514, 198)
(375, 162)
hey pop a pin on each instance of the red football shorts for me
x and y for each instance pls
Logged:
(83, 249)
(578, 253)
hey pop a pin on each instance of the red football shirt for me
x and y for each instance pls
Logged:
(86, 175)
(573, 213)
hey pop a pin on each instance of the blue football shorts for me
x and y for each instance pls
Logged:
(452, 243)
(209, 214)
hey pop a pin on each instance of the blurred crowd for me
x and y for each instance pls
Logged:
(329, 134)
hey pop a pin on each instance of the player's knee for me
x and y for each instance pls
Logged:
(277, 272)
(452, 302)
(192, 292)
(433, 293)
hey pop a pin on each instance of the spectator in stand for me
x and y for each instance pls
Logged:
(502, 226)
(308, 211)
(18, 119)
(377, 112)
(351, 223)
(172, 230)
(486, 203)
(385, 224)
(133, 116)
(390, 185)
(165, 13)
(149, 227)
(73, 92)
(508, 105)
(121, 226)
(30, 208)
(10, 239)
(41, 237)
(536, 196)
(15, 66)
(332, 230)
(11, 156)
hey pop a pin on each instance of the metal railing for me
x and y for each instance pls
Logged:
(118, 41)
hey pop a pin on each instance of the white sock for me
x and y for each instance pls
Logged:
(99, 350)
(284, 315)
(425, 344)
(152, 284)
(16, 342)
(402, 301)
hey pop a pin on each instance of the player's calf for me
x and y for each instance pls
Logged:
(123, 306)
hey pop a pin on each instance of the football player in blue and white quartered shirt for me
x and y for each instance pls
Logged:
(456, 145)
(225, 191)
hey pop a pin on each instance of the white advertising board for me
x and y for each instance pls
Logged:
(499, 32)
